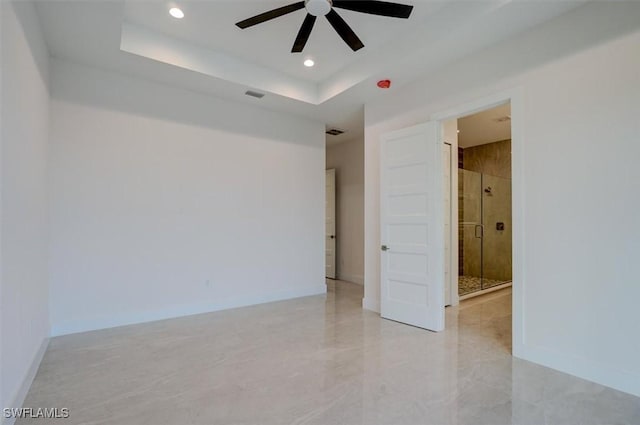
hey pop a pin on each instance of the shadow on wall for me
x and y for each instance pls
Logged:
(136, 96)
(31, 31)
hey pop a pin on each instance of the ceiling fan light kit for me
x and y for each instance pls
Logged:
(325, 8)
(318, 7)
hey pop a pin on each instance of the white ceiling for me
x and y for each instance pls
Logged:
(485, 127)
(206, 53)
(269, 44)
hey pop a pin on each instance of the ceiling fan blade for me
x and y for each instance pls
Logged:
(344, 30)
(304, 33)
(267, 16)
(393, 10)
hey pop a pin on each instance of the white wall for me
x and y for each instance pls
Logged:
(166, 202)
(348, 160)
(578, 185)
(24, 315)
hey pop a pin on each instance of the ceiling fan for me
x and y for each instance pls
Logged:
(325, 8)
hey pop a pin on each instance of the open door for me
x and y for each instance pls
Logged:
(412, 227)
(330, 224)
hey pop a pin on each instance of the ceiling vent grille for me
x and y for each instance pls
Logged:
(255, 94)
(334, 132)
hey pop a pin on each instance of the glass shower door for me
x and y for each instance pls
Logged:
(484, 217)
(470, 232)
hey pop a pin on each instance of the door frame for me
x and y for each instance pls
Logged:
(452, 285)
(449, 286)
(516, 97)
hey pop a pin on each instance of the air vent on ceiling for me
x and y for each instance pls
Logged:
(335, 131)
(255, 94)
(502, 119)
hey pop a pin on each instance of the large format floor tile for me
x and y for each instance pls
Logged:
(315, 360)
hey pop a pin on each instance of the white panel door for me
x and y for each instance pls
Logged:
(412, 227)
(330, 224)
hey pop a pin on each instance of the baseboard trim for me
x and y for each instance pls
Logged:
(582, 368)
(72, 327)
(21, 395)
(353, 278)
(371, 304)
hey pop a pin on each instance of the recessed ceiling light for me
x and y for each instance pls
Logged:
(176, 13)
(309, 63)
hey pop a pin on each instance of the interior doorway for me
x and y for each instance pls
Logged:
(413, 263)
(478, 202)
(483, 213)
(344, 235)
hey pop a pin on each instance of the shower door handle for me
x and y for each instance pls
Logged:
(479, 234)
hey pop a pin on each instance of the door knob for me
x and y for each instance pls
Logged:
(384, 248)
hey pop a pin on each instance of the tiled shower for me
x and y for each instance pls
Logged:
(484, 217)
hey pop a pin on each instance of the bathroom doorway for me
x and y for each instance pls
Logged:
(484, 246)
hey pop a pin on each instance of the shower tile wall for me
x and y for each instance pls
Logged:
(497, 243)
(493, 161)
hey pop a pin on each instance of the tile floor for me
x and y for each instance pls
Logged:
(315, 360)
(469, 284)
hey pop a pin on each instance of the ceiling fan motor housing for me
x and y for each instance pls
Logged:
(325, 8)
(318, 7)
